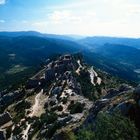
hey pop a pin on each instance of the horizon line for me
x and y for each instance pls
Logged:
(82, 35)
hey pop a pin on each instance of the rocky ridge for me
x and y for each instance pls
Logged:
(65, 96)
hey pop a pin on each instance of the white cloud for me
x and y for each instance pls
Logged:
(88, 17)
(93, 17)
(2, 2)
(2, 21)
(133, 9)
(63, 16)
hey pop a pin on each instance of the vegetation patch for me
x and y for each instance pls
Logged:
(16, 69)
(76, 107)
(109, 127)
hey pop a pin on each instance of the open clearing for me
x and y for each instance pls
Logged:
(16, 69)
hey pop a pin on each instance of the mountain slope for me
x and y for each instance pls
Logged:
(121, 53)
(111, 66)
(64, 101)
(135, 42)
(20, 56)
(119, 59)
(37, 34)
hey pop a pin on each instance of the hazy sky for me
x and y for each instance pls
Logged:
(86, 17)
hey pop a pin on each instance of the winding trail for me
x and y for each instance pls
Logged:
(34, 112)
(25, 133)
(94, 74)
(36, 106)
(11, 137)
(80, 66)
(99, 80)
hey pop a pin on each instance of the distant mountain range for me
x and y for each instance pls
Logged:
(38, 34)
(97, 40)
(26, 50)
(119, 56)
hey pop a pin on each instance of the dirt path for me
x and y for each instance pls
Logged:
(25, 133)
(36, 110)
(80, 66)
(94, 74)
(37, 106)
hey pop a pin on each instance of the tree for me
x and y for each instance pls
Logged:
(86, 134)
(109, 127)
(115, 126)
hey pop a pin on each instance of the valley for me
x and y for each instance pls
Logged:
(118, 59)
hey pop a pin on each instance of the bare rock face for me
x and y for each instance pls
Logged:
(56, 90)
(10, 97)
(5, 118)
(58, 67)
